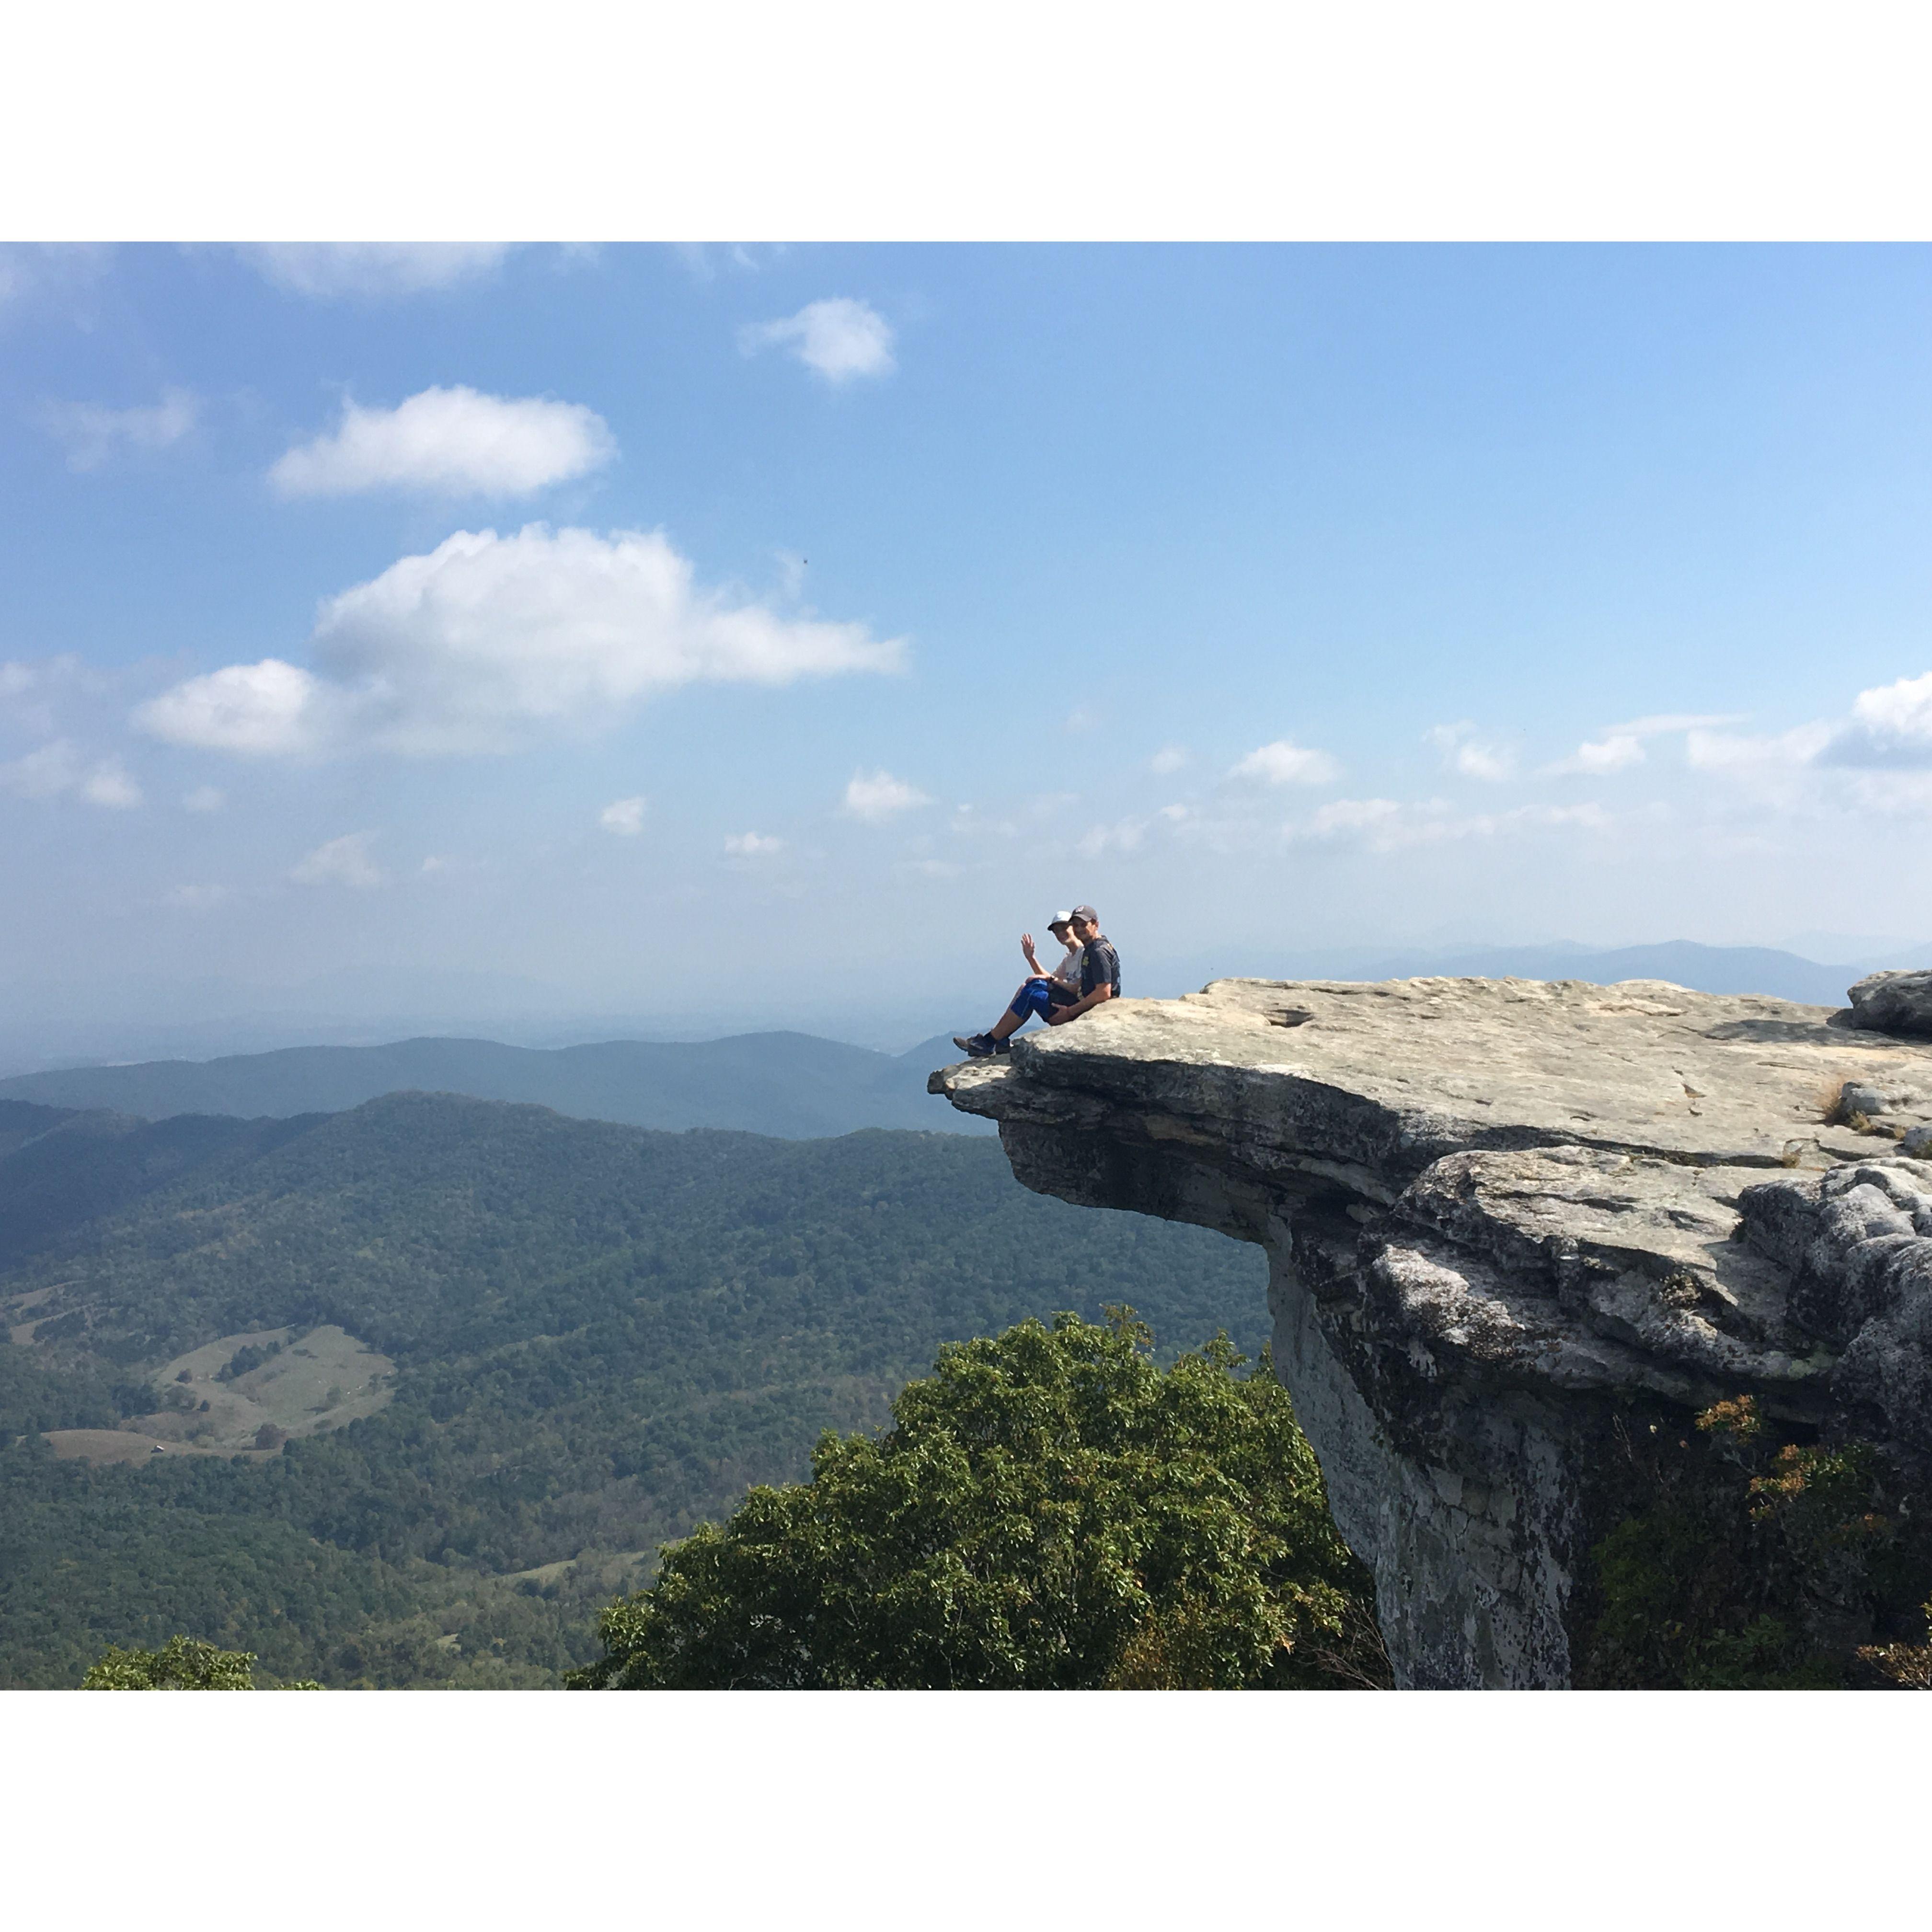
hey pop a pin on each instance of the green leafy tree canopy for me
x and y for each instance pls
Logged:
(1050, 1510)
(183, 1664)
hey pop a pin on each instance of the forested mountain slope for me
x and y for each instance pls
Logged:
(600, 1334)
(789, 1085)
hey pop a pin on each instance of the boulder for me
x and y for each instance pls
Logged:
(1894, 1002)
(1505, 1219)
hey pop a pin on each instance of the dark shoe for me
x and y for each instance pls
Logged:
(975, 1046)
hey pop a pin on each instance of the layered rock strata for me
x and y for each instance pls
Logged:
(1506, 1220)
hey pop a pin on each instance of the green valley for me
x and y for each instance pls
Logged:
(432, 1379)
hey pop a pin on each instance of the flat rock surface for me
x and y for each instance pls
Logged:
(1436, 1065)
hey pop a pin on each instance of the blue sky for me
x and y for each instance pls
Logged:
(757, 633)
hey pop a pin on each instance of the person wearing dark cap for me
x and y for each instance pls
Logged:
(1100, 982)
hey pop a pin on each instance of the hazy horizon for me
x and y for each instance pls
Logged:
(74, 1023)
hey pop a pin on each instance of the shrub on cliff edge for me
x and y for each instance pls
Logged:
(1050, 1510)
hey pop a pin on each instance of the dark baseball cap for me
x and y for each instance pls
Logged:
(1087, 913)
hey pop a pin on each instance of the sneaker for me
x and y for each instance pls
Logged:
(975, 1046)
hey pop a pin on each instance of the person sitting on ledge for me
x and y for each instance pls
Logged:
(1100, 982)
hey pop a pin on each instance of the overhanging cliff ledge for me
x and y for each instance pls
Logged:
(1507, 1219)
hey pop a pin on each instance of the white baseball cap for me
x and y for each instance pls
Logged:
(1060, 919)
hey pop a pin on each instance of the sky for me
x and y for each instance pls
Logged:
(744, 635)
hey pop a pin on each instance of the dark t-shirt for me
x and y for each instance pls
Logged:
(1100, 966)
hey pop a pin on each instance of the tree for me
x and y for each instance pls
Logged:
(184, 1664)
(1050, 1510)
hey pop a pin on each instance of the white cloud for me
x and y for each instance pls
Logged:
(624, 816)
(108, 784)
(1616, 753)
(94, 434)
(1467, 756)
(486, 637)
(1890, 725)
(1621, 746)
(55, 769)
(839, 339)
(205, 798)
(197, 898)
(259, 709)
(456, 441)
(1168, 758)
(44, 773)
(342, 861)
(876, 796)
(751, 845)
(1282, 763)
(329, 270)
(1724, 751)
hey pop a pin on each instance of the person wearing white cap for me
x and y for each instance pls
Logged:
(1089, 974)
(1067, 973)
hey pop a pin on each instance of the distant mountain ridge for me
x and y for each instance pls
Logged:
(796, 1086)
(791, 1086)
(1704, 969)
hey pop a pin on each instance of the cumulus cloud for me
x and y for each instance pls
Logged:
(487, 637)
(839, 339)
(1468, 756)
(1168, 758)
(624, 816)
(752, 845)
(95, 435)
(876, 796)
(258, 710)
(1616, 753)
(56, 769)
(1621, 746)
(342, 861)
(1282, 763)
(1891, 726)
(457, 442)
(330, 270)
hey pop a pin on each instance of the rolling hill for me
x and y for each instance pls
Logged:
(511, 1353)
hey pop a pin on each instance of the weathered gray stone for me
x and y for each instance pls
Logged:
(1894, 1002)
(1499, 1213)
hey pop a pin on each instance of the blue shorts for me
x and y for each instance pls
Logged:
(1038, 998)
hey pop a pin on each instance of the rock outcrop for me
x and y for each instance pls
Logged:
(1506, 1220)
(1894, 1003)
